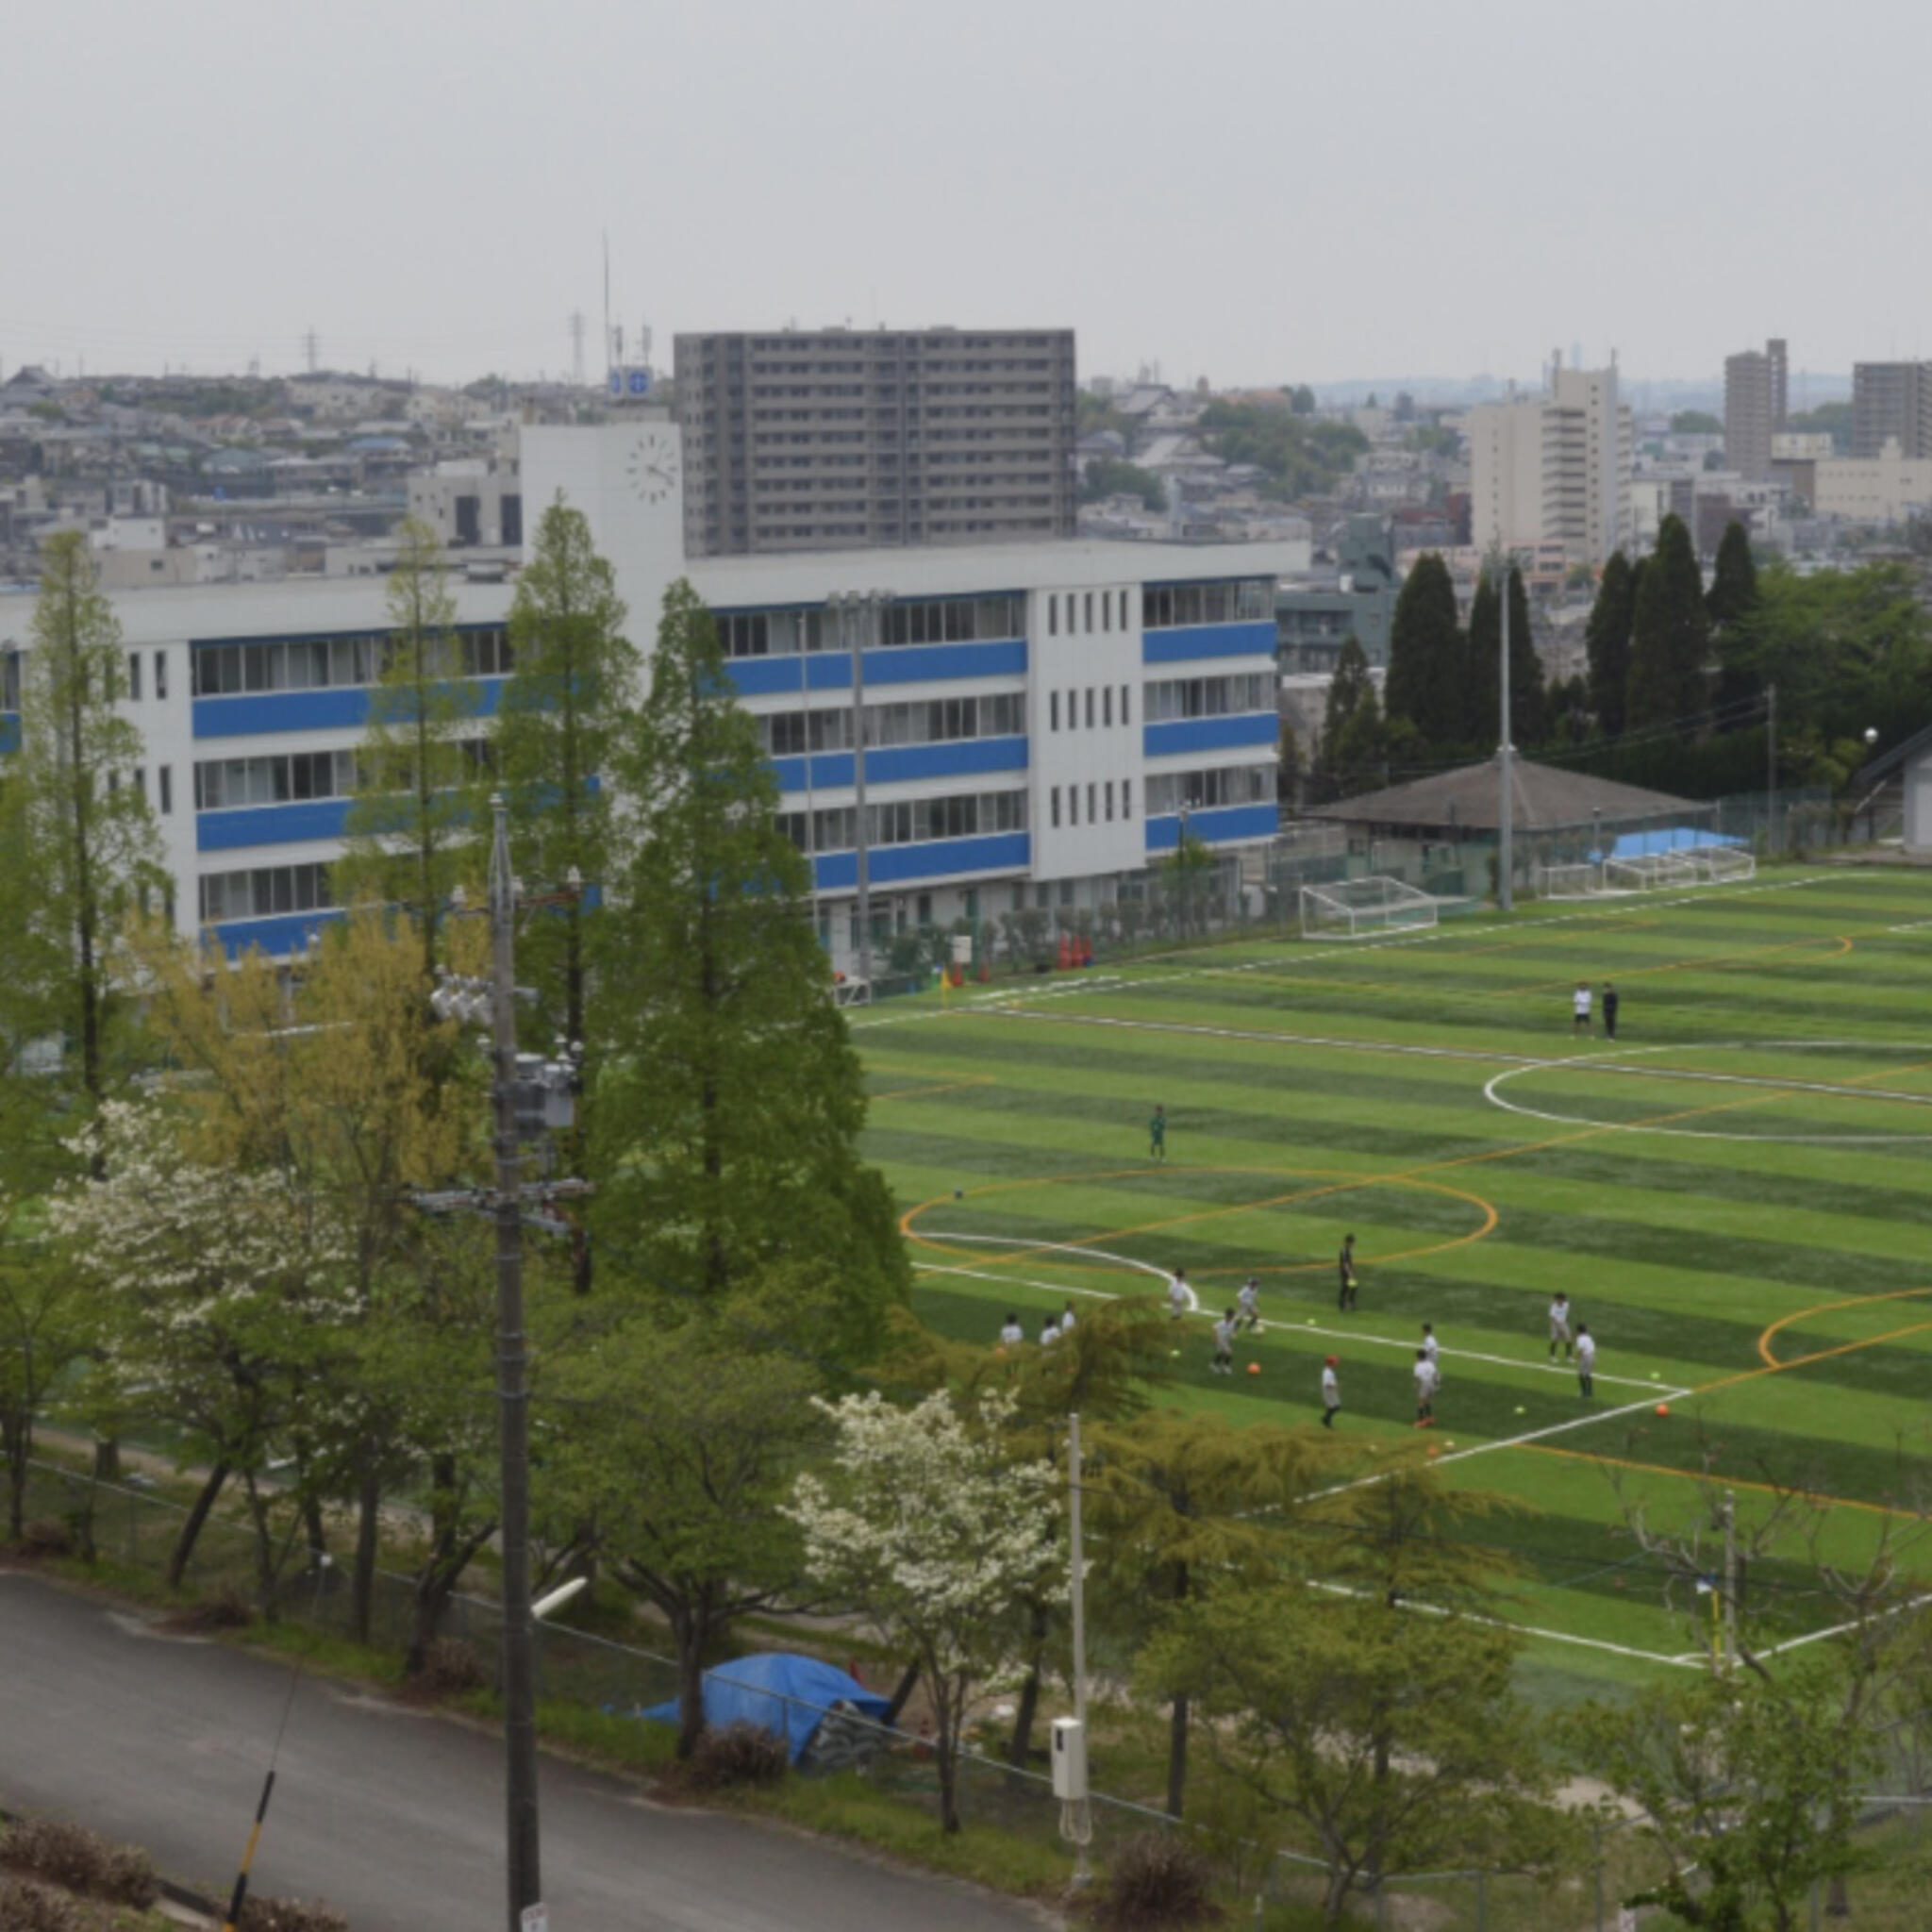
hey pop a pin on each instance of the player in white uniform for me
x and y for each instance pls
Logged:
(1180, 1297)
(1586, 1358)
(1248, 1300)
(1432, 1350)
(1560, 1326)
(1223, 1344)
(1049, 1332)
(1013, 1334)
(1332, 1392)
(1579, 1008)
(1426, 1380)
(1067, 1319)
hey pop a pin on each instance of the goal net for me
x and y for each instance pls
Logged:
(1648, 872)
(1355, 909)
(1580, 881)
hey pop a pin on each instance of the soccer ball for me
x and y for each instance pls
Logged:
(1253, 1367)
(1663, 1408)
(1260, 1328)
(1521, 1411)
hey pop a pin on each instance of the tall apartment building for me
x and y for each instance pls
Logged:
(1756, 388)
(1891, 401)
(1553, 469)
(841, 439)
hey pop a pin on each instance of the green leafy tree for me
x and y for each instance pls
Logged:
(1696, 422)
(1390, 1739)
(1669, 635)
(1428, 656)
(1749, 1783)
(1186, 1504)
(1105, 477)
(576, 677)
(414, 826)
(82, 855)
(1829, 418)
(1606, 643)
(676, 1449)
(49, 1327)
(1357, 761)
(1302, 455)
(724, 1123)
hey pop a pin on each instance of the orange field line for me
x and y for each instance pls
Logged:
(1729, 1482)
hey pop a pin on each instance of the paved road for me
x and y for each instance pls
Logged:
(395, 1817)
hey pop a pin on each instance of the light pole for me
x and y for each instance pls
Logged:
(861, 614)
(1505, 854)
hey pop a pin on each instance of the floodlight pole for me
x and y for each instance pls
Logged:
(1505, 855)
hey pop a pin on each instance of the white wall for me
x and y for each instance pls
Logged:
(1082, 652)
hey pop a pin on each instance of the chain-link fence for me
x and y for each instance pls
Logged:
(133, 1530)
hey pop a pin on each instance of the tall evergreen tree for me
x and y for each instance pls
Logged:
(724, 1123)
(82, 851)
(576, 677)
(1482, 701)
(1733, 593)
(1527, 701)
(1427, 655)
(1348, 747)
(1669, 635)
(414, 825)
(1606, 643)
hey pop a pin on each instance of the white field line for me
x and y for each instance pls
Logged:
(1649, 1656)
(1839, 1629)
(1661, 1392)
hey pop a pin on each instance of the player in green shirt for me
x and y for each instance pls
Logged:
(1156, 1135)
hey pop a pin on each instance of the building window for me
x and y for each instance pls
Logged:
(1073, 711)
(164, 778)
(1073, 804)
(1092, 798)
(1107, 704)
(1110, 800)
(141, 782)
(263, 891)
(134, 675)
(1090, 707)
(1123, 610)
(1126, 718)
(1053, 616)
(1056, 807)
(161, 673)
(1053, 706)
(1126, 798)
(1090, 612)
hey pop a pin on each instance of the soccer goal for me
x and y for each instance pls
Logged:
(1581, 881)
(1358, 909)
(1721, 865)
(1647, 872)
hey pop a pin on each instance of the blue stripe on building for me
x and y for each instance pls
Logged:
(1186, 643)
(896, 664)
(1211, 734)
(287, 932)
(1214, 823)
(9, 732)
(934, 859)
(341, 707)
(902, 764)
(270, 824)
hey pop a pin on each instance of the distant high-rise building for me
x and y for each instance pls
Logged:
(1555, 469)
(1756, 388)
(1892, 402)
(843, 440)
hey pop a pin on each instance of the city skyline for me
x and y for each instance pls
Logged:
(1234, 191)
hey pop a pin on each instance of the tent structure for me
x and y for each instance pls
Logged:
(1543, 798)
(780, 1693)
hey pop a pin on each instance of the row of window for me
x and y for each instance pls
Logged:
(917, 620)
(906, 821)
(1164, 606)
(221, 783)
(1079, 605)
(787, 734)
(164, 785)
(1196, 790)
(1100, 797)
(134, 674)
(9, 680)
(263, 891)
(1209, 697)
(1105, 717)
(221, 670)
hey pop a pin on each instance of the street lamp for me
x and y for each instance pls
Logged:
(861, 616)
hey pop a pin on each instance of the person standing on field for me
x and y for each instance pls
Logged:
(1344, 1299)
(1332, 1392)
(1609, 1010)
(1579, 1009)
(1156, 1135)
(1223, 1344)
(1011, 1334)
(1586, 1358)
(1248, 1300)
(1559, 1324)
(1427, 1382)
(1180, 1297)
(1432, 1350)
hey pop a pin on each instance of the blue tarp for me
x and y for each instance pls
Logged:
(1668, 839)
(779, 1693)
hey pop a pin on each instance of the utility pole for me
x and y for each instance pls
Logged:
(1730, 1599)
(1505, 855)
(312, 348)
(861, 615)
(576, 348)
(1082, 1831)
(1771, 770)
(512, 1396)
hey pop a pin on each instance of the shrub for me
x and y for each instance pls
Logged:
(740, 1754)
(450, 1668)
(1157, 1878)
(290, 1915)
(25, 1908)
(228, 1609)
(76, 1859)
(46, 1536)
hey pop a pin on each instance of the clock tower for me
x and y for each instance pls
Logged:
(627, 477)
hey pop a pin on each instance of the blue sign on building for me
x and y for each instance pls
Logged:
(630, 382)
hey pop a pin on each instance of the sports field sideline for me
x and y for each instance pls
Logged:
(1735, 1195)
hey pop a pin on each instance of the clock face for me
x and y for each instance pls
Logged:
(650, 468)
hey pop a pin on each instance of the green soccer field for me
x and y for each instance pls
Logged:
(1735, 1194)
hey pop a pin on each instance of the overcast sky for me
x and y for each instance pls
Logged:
(1256, 191)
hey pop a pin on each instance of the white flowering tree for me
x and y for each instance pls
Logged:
(926, 1524)
(221, 1297)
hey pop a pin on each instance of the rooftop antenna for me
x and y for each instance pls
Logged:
(608, 337)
